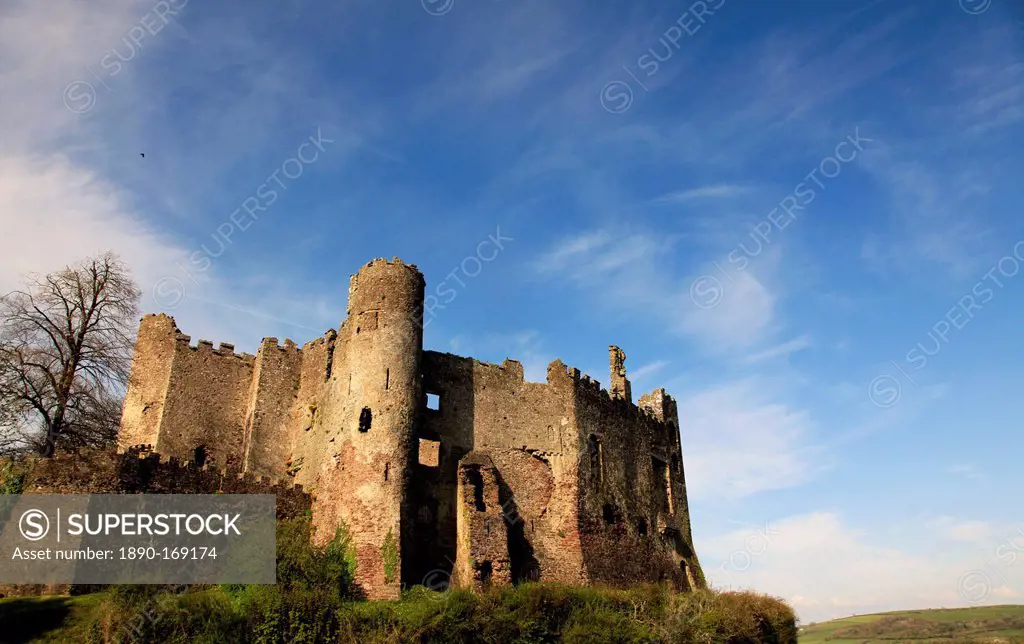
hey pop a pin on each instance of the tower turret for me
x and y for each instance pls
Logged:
(364, 483)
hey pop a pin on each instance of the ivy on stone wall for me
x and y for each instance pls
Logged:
(389, 553)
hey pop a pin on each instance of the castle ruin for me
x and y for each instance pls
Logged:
(437, 466)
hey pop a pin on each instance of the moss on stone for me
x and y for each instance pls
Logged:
(389, 554)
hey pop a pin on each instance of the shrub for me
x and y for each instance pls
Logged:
(12, 478)
(276, 616)
(302, 607)
(301, 565)
(132, 613)
(732, 617)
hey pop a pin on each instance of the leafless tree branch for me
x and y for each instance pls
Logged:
(65, 355)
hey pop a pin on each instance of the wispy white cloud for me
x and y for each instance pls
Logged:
(937, 220)
(766, 443)
(988, 79)
(635, 267)
(716, 191)
(970, 531)
(827, 568)
(74, 184)
(72, 212)
(740, 315)
(564, 255)
(784, 349)
(641, 373)
(943, 213)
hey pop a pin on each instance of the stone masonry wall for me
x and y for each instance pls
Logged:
(482, 557)
(206, 403)
(321, 358)
(634, 519)
(139, 470)
(527, 429)
(269, 422)
(147, 388)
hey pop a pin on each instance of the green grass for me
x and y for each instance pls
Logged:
(524, 614)
(316, 601)
(984, 624)
(48, 619)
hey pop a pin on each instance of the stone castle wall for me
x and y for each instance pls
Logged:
(139, 470)
(526, 431)
(150, 376)
(206, 403)
(271, 405)
(320, 358)
(632, 496)
(588, 485)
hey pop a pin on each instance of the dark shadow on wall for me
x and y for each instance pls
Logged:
(429, 556)
(524, 564)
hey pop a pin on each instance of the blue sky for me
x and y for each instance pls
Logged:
(776, 208)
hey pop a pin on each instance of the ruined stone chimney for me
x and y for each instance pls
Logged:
(620, 385)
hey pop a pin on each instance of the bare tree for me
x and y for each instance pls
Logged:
(65, 355)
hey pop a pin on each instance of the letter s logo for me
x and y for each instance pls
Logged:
(34, 525)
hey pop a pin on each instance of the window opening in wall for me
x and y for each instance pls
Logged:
(365, 419)
(662, 484)
(433, 401)
(610, 514)
(486, 571)
(387, 379)
(675, 464)
(596, 459)
(685, 569)
(477, 481)
(641, 527)
(199, 456)
(387, 470)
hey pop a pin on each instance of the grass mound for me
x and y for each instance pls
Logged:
(315, 601)
(528, 613)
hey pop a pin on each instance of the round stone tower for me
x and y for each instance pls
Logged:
(364, 484)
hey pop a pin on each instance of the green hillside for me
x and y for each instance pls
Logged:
(988, 624)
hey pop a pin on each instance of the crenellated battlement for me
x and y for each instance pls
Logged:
(586, 382)
(205, 347)
(288, 346)
(394, 261)
(378, 265)
(160, 317)
(179, 467)
(141, 470)
(656, 406)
